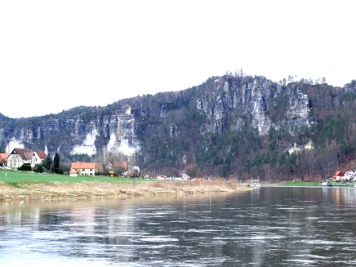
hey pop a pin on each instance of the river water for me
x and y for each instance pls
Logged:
(270, 226)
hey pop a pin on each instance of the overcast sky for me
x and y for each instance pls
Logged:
(55, 55)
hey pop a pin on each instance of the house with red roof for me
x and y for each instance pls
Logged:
(73, 173)
(20, 156)
(3, 158)
(38, 157)
(338, 176)
(117, 168)
(83, 168)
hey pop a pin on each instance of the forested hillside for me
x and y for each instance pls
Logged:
(225, 139)
(230, 126)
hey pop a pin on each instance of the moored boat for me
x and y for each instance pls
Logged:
(255, 182)
(337, 184)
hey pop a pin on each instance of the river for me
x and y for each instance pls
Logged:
(269, 226)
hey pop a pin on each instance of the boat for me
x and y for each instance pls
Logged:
(255, 182)
(340, 179)
(336, 184)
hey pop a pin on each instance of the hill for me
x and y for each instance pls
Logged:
(230, 126)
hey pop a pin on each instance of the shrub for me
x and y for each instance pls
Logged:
(38, 168)
(25, 167)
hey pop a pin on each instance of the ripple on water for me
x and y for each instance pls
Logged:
(156, 239)
(292, 208)
(312, 218)
(324, 242)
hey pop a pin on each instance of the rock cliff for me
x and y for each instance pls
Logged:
(231, 99)
(167, 125)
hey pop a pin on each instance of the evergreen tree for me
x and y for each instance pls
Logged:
(56, 161)
(48, 162)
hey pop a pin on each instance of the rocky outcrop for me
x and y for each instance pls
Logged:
(233, 101)
(114, 133)
(350, 87)
(220, 105)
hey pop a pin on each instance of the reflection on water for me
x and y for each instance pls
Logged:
(263, 227)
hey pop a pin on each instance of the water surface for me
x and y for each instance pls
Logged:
(265, 227)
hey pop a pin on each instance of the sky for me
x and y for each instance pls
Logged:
(56, 55)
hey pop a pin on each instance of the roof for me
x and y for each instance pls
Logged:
(23, 153)
(83, 165)
(339, 173)
(110, 166)
(42, 155)
(3, 157)
(124, 165)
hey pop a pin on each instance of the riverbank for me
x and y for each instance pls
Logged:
(85, 190)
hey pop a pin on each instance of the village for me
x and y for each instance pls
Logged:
(341, 178)
(20, 157)
(348, 176)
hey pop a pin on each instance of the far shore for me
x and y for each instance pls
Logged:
(89, 190)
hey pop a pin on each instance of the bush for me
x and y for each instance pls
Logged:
(25, 167)
(38, 168)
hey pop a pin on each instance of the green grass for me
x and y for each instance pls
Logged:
(300, 183)
(15, 177)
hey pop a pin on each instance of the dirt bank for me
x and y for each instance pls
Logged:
(63, 190)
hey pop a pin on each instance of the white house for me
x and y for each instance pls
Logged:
(83, 168)
(349, 176)
(38, 157)
(20, 156)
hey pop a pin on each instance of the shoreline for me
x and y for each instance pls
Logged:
(91, 190)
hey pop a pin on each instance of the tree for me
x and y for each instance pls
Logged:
(38, 168)
(48, 162)
(25, 167)
(119, 170)
(56, 160)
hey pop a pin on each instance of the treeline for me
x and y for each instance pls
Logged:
(244, 153)
(177, 134)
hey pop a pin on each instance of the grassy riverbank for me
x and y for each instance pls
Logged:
(300, 183)
(21, 185)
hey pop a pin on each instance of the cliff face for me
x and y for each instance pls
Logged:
(266, 104)
(167, 125)
(74, 135)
